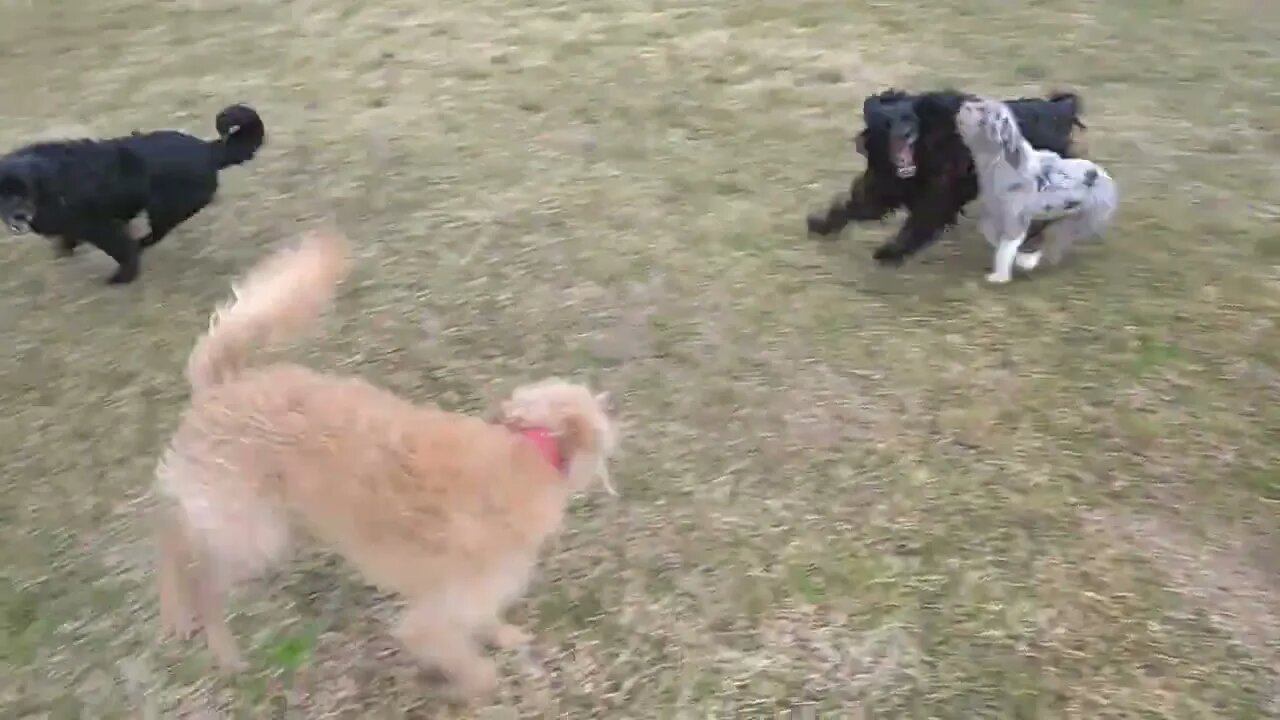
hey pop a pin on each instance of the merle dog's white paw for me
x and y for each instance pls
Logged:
(996, 278)
(1027, 260)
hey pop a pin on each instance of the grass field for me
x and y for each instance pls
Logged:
(888, 493)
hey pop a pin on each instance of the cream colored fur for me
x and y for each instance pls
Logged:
(445, 509)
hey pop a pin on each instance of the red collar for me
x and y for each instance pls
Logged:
(546, 444)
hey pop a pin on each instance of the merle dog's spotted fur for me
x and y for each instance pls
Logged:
(1019, 185)
(915, 160)
(79, 191)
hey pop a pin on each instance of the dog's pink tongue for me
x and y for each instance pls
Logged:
(547, 444)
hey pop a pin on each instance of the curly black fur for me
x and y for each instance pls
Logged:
(934, 188)
(88, 190)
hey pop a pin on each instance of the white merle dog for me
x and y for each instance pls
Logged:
(1019, 184)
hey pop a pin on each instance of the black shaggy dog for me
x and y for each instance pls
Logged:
(88, 190)
(916, 160)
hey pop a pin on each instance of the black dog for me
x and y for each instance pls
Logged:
(88, 190)
(916, 160)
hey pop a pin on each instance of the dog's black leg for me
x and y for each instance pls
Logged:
(862, 205)
(163, 223)
(1033, 235)
(923, 227)
(157, 234)
(114, 240)
(932, 213)
(65, 246)
(919, 231)
(831, 222)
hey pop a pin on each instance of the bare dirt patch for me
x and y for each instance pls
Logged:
(1215, 573)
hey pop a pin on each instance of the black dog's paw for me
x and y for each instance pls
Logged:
(64, 247)
(819, 225)
(123, 276)
(889, 254)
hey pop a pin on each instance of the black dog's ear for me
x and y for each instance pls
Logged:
(872, 110)
(860, 143)
(937, 108)
(12, 185)
(1073, 101)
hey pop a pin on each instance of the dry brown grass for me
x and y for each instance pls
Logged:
(896, 493)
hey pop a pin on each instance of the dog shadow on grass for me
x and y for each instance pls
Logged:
(945, 272)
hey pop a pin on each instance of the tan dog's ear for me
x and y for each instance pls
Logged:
(587, 459)
(506, 411)
(495, 413)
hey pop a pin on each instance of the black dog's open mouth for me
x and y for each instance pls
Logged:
(18, 220)
(903, 158)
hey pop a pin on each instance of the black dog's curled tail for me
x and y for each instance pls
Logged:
(1077, 106)
(240, 134)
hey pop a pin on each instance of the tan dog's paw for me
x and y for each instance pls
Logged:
(177, 619)
(506, 636)
(477, 680)
(232, 664)
(177, 624)
(224, 650)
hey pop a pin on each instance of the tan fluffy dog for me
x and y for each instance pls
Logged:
(445, 509)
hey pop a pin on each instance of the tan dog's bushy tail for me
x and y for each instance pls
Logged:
(275, 301)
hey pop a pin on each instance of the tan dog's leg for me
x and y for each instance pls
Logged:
(211, 612)
(232, 537)
(441, 635)
(504, 636)
(191, 595)
(177, 617)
